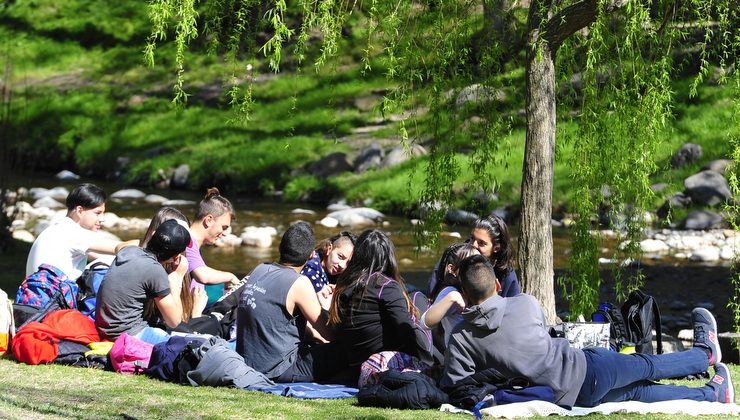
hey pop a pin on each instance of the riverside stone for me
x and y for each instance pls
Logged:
(355, 217)
(702, 220)
(23, 235)
(329, 222)
(709, 254)
(653, 245)
(155, 199)
(128, 194)
(259, 237)
(48, 202)
(65, 175)
(707, 187)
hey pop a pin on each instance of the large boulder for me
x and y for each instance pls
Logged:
(180, 176)
(368, 158)
(708, 188)
(332, 164)
(688, 153)
(702, 220)
(399, 155)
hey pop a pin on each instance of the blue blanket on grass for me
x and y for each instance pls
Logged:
(311, 390)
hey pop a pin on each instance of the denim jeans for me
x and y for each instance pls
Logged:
(612, 376)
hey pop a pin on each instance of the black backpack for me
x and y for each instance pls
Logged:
(609, 313)
(641, 315)
(632, 324)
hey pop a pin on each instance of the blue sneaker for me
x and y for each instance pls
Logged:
(721, 384)
(705, 334)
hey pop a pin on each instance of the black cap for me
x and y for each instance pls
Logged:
(168, 240)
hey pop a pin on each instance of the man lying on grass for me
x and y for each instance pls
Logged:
(509, 334)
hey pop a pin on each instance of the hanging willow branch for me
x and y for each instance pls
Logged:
(623, 51)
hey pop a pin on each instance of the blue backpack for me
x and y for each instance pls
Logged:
(38, 288)
(89, 284)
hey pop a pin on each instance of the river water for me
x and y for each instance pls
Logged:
(415, 262)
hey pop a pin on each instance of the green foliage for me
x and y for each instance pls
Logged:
(627, 101)
(300, 188)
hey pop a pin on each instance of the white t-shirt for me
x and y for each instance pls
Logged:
(64, 245)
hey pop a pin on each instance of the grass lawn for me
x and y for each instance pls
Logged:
(54, 391)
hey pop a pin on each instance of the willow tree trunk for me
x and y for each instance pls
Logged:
(535, 241)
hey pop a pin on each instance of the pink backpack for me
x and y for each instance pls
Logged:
(130, 355)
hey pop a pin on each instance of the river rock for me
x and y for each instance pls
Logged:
(230, 240)
(338, 206)
(368, 158)
(329, 222)
(707, 187)
(650, 246)
(259, 237)
(66, 176)
(702, 220)
(355, 217)
(678, 200)
(180, 176)
(332, 164)
(303, 211)
(155, 199)
(38, 192)
(727, 253)
(718, 165)
(128, 194)
(460, 217)
(178, 203)
(57, 193)
(399, 155)
(23, 235)
(709, 254)
(479, 94)
(688, 153)
(49, 203)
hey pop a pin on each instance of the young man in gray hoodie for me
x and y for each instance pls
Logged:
(510, 335)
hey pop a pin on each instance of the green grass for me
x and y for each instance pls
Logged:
(54, 391)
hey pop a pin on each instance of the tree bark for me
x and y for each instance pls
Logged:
(535, 240)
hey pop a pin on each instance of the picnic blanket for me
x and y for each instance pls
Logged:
(543, 408)
(311, 390)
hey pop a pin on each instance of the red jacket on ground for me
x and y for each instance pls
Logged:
(36, 342)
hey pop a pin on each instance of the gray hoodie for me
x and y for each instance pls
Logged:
(510, 335)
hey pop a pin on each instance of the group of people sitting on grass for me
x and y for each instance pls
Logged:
(321, 310)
